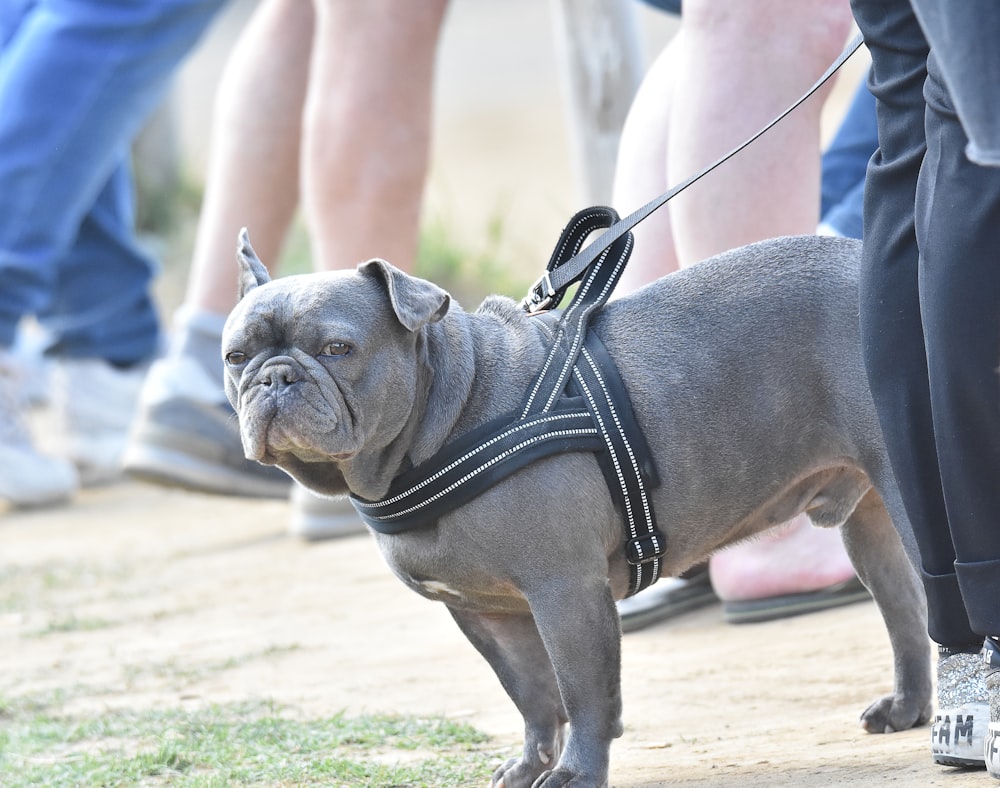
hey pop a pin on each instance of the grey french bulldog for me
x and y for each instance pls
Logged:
(745, 374)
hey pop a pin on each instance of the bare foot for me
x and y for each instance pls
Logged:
(795, 558)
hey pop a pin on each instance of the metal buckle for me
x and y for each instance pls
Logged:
(540, 295)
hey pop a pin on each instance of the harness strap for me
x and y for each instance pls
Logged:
(475, 462)
(575, 350)
(626, 462)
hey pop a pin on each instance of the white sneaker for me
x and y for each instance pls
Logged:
(93, 404)
(27, 478)
(28, 352)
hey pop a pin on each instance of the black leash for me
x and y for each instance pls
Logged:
(548, 291)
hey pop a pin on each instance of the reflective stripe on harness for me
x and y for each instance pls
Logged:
(576, 403)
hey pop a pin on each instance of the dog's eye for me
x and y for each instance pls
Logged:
(235, 358)
(336, 349)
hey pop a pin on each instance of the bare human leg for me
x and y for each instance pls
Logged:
(741, 66)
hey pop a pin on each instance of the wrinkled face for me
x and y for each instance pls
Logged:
(318, 369)
(322, 369)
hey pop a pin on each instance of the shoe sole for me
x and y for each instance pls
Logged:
(175, 469)
(959, 763)
(755, 611)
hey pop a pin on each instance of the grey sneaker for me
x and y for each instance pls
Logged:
(27, 477)
(991, 671)
(315, 518)
(186, 435)
(963, 716)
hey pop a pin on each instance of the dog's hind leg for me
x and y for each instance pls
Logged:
(877, 553)
(514, 649)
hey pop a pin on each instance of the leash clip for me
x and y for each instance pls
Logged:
(541, 295)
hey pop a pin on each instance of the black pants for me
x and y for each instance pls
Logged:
(930, 317)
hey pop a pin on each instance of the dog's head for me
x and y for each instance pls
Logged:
(323, 369)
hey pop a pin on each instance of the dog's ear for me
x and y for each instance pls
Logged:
(252, 270)
(416, 302)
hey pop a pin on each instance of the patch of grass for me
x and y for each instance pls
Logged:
(238, 744)
(469, 275)
(73, 623)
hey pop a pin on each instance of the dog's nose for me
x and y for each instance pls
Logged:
(279, 374)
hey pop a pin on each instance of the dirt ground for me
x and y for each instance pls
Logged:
(161, 597)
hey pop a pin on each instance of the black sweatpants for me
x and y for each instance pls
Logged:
(930, 307)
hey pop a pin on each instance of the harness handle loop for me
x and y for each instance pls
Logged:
(584, 223)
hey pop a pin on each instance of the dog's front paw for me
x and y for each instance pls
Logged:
(894, 713)
(515, 773)
(564, 778)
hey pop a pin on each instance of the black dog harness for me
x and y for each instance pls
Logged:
(576, 403)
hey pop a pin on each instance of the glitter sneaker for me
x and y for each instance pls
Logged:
(991, 671)
(963, 714)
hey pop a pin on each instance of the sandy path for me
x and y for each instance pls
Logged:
(155, 596)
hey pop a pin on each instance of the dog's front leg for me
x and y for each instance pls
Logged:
(579, 625)
(514, 649)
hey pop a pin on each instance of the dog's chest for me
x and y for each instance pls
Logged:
(443, 570)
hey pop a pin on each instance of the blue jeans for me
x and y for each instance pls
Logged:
(77, 80)
(844, 164)
(929, 294)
